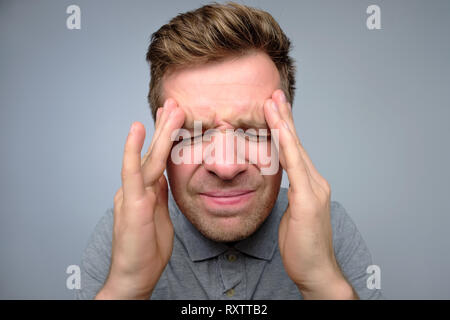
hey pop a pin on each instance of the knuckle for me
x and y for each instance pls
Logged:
(123, 175)
(123, 172)
(324, 184)
(128, 172)
(327, 186)
(315, 206)
(279, 124)
(118, 195)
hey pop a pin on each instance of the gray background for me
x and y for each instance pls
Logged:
(372, 109)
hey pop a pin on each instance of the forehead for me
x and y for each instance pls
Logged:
(231, 91)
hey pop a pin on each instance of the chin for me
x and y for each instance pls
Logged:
(226, 219)
(225, 235)
(227, 228)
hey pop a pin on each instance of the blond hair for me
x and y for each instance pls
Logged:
(212, 33)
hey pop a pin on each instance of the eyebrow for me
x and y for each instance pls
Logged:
(244, 125)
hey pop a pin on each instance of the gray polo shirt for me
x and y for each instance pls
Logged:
(200, 268)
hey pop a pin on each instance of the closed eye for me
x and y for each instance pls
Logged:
(254, 135)
(251, 134)
(192, 140)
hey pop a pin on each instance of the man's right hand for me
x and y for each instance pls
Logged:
(143, 233)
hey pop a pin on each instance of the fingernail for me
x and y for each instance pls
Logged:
(285, 125)
(282, 97)
(166, 104)
(158, 113)
(274, 106)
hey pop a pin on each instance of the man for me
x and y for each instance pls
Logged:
(224, 230)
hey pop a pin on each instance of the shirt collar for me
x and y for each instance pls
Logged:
(261, 244)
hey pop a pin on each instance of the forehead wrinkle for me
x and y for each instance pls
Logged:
(195, 109)
(232, 92)
(244, 115)
(207, 120)
(238, 114)
(214, 113)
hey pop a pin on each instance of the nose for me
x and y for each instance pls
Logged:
(222, 157)
(225, 171)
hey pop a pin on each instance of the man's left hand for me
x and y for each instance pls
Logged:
(305, 232)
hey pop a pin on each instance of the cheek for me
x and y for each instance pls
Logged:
(262, 153)
(179, 175)
(272, 182)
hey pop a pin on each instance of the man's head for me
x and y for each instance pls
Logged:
(220, 63)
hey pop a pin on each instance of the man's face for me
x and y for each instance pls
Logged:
(225, 201)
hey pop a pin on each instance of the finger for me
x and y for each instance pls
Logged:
(286, 114)
(132, 180)
(294, 165)
(162, 217)
(158, 115)
(169, 105)
(161, 116)
(118, 195)
(155, 165)
(285, 108)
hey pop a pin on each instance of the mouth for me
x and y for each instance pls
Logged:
(231, 199)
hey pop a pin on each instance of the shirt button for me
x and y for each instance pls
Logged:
(232, 257)
(230, 293)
